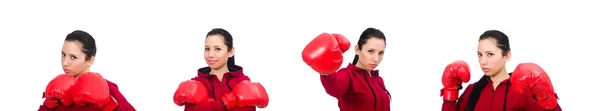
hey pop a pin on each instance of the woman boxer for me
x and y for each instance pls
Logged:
(79, 89)
(497, 90)
(219, 86)
(358, 87)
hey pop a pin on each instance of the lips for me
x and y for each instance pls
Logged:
(485, 69)
(211, 62)
(66, 70)
(372, 65)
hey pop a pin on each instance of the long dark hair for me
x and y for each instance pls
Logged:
(228, 42)
(503, 44)
(366, 35)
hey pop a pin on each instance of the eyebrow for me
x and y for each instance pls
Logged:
(69, 54)
(375, 49)
(489, 51)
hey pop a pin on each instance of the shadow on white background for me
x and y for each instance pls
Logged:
(148, 48)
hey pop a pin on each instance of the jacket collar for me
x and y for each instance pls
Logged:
(503, 82)
(233, 71)
(353, 67)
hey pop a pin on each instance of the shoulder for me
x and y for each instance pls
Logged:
(237, 73)
(344, 71)
(239, 77)
(111, 84)
(113, 89)
(469, 88)
(197, 78)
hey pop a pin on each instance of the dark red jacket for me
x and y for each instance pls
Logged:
(356, 90)
(216, 89)
(123, 105)
(491, 100)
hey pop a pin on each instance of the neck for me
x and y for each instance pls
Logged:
(219, 71)
(86, 70)
(501, 76)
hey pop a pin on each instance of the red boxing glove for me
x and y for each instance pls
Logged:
(324, 53)
(92, 89)
(190, 92)
(455, 74)
(533, 77)
(246, 94)
(58, 91)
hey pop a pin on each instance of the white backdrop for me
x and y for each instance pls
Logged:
(148, 48)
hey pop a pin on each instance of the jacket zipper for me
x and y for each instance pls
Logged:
(505, 96)
(493, 95)
(372, 91)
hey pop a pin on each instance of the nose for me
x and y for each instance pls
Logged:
(376, 58)
(211, 53)
(483, 60)
(65, 62)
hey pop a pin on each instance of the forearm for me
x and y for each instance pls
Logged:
(336, 84)
(44, 108)
(121, 107)
(449, 106)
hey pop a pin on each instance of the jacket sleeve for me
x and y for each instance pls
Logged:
(43, 108)
(382, 84)
(530, 104)
(461, 103)
(336, 84)
(123, 104)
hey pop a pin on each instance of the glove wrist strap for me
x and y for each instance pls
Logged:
(111, 106)
(229, 100)
(449, 95)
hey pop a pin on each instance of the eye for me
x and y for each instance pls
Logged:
(73, 57)
(218, 49)
(381, 53)
(63, 54)
(371, 51)
(490, 54)
(479, 54)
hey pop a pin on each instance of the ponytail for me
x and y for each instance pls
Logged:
(355, 60)
(231, 61)
(474, 97)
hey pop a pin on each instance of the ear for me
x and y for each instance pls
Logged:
(508, 56)
(356, 49)
(231, 52)
(91, 61)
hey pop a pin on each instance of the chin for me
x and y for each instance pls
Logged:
(487, 74)
(215, 66)
(492, 73)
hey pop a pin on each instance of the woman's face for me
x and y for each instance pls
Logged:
(371, 54)
(490, 56)
(215, 51)
(73, 58)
